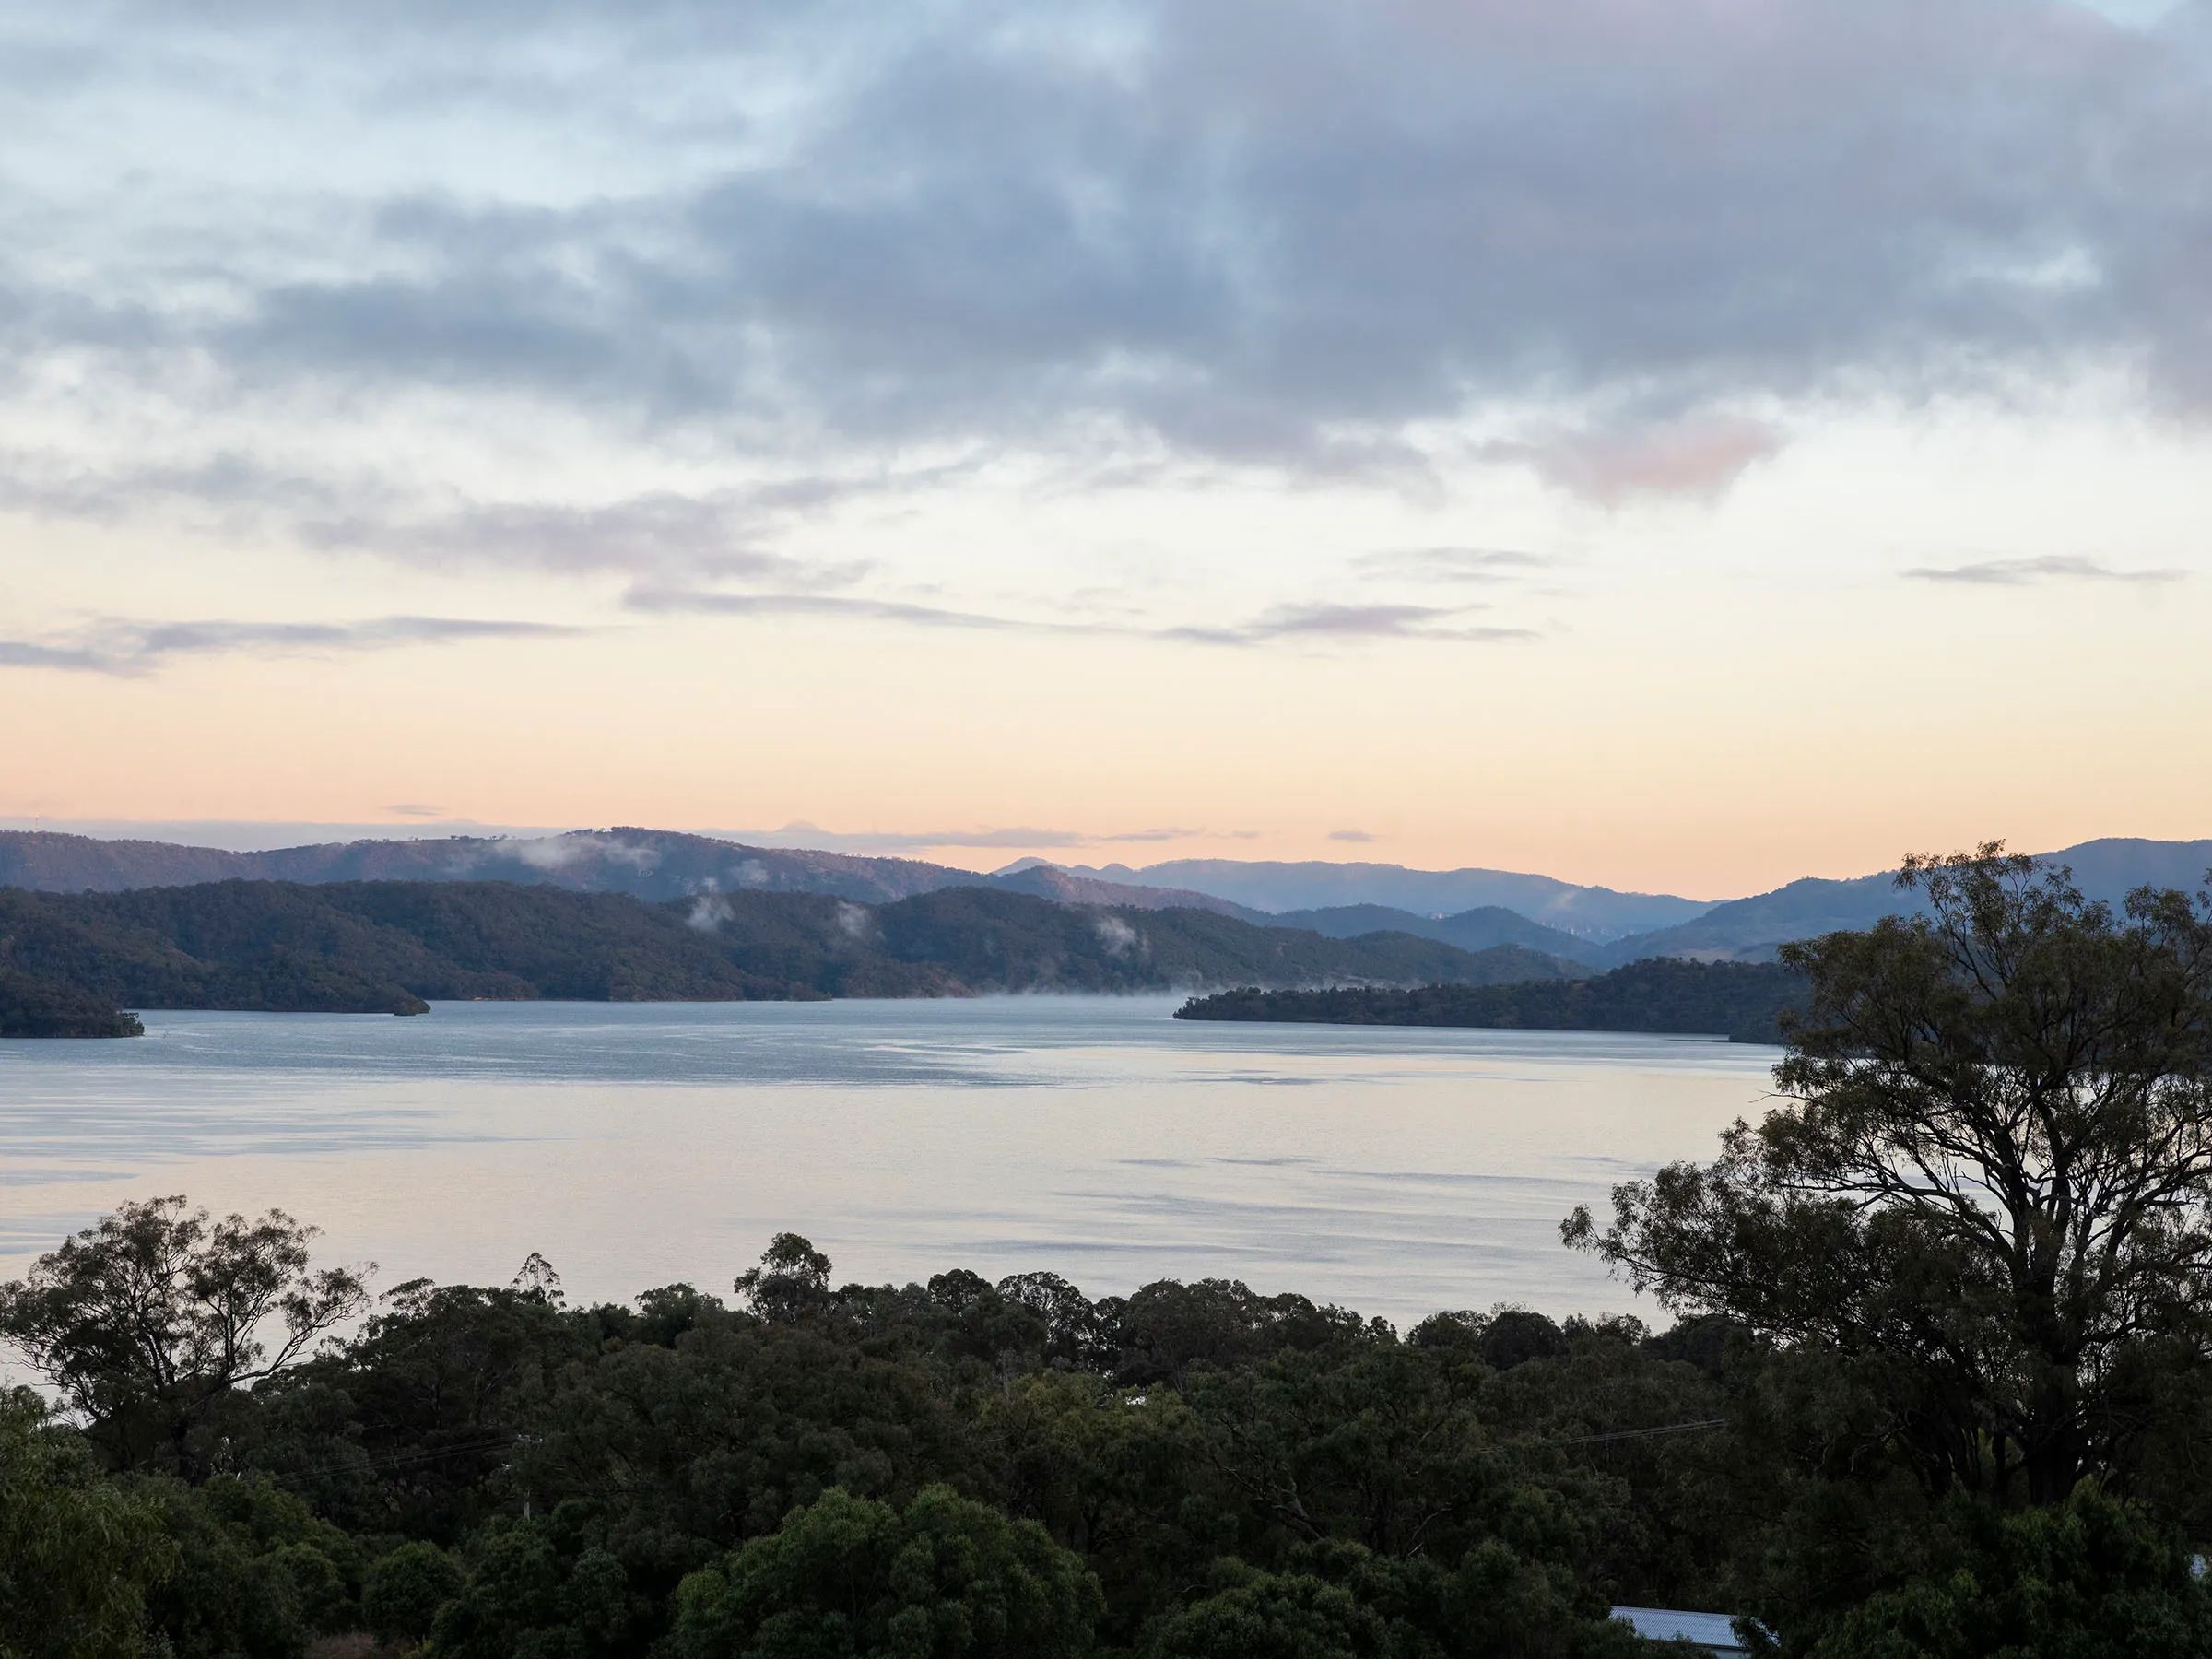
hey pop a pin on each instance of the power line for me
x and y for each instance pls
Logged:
(1626, 1434)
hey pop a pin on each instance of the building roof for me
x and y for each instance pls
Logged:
(1712, 1631)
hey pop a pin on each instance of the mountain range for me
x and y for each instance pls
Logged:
(1595, 913)
(1470, 910)
(374, 947)
(645, 863)
(1750, 929)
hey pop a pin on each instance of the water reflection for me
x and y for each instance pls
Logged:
(1394, 1171)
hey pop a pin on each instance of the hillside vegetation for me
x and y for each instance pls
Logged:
(1470, 930)
(31, 1006)
(1740, 1000)
(392, 946)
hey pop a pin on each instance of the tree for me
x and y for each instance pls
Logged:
(792, 1280)
(2088, 1576)
(847, 1578)
(1074, 1337)
(77, 1557)
(1990, 1196)
(146, 1321)
(1339, 1601)
(402, 1593)
(1254, 1615)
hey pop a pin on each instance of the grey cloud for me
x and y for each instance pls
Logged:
(1350, 835)
(415, 809)
(228, 485)
(1353, 622)
(712, 535)
(725, 532)
(1451, 564)
(2022, 573)
(1311, 622)
(1253, 231)
(1699, 456)
(656, 601)
(117, 646)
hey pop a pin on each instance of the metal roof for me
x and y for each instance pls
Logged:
(1710, 1631)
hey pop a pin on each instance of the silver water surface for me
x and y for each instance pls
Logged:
(1394, 1171)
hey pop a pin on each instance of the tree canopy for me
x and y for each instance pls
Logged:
(1991, 1189)
(146, 1320)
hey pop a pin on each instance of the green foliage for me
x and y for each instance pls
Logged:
(412, 1426)
(148, 1319)
(1254, 1615)
(542, 1589)
(256, 1574)
(2076, 1580)
(959, 1467)
(31, 1006)
(846, 1577)
(1992, 1200)
(78, 1556)
(402, 1592)
(1742, 1001)
(792, 1281)
(1342, 1602)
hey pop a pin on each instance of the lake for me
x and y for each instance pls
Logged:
(1392, 1171)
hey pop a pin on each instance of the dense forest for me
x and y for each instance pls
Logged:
(391, 947)
(943, 1468)
(45, 1007)
(1739, 1000)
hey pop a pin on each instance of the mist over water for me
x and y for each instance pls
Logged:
(1394, 1171)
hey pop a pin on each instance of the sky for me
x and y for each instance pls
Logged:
(1678, 445)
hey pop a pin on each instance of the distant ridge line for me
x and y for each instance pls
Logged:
(1470, 908)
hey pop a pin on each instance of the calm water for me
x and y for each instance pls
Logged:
(1397, 1171)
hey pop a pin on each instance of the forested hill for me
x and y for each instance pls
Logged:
(44, 1007)
(645, 864)
(388, 947)
(1739, 1000)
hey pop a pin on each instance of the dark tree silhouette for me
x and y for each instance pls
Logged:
(1993, 1188)
(145, 1321)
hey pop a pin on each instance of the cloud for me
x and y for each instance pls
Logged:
(1297, 622)
(1352, 622)
(1118, 939)
(561, 851)
(116, 646)
(665, 601)
(415, 809)
(708, 912)
(1451, 564)
(721, 533)
(2023, 572)
(655, 532)
(1253, 233)
(1698, 457)
(1351, 835)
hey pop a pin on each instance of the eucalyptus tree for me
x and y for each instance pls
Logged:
(144, 1321)
(1989, 1187)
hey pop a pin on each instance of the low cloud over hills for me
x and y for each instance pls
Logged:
(645, 864)
(1470, 910)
